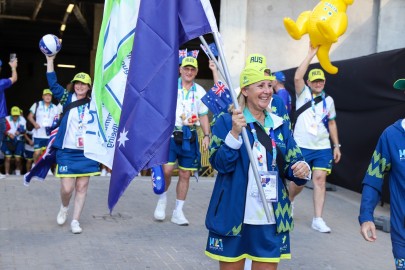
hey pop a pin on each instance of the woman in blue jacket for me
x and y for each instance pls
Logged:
(73, 167)
(236, 220)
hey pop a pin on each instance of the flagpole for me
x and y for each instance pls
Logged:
(212, 56)
(244, 132)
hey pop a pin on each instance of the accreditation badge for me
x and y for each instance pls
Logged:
(269, 183)
(79, 140)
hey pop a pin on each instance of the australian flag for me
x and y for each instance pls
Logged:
(46, 160)
(193, 53)
(182, 54)
(213, 48)
(217, 99)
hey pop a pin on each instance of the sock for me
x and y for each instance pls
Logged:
(163, 196)
(179, 205)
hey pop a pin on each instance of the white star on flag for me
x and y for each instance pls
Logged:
(123, 138)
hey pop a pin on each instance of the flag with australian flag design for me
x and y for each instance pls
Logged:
(148, 111)
(218, 98)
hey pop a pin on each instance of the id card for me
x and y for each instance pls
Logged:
(79, 140)
(269, 184)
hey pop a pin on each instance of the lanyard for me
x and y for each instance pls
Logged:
(184, 98)
(80, 112)
(257, 145)
(47, 109)
(323, 105)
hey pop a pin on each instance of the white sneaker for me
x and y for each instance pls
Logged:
(108, 174)
(160, 211)
(2, 176)
(179, 218)
(50, 172)
(62, 215)
(75, 226)
(103, 172)
(319, 225)
(17, 172)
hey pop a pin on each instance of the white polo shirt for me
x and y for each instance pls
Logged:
(44, 117)
(189, 103)
(309, 131)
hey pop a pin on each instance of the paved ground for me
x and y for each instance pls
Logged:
(131, 239)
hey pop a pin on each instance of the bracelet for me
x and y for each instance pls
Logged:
(337, 145)
(206, 135)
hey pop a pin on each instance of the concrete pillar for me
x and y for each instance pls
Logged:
(233, 31)
(98, 18)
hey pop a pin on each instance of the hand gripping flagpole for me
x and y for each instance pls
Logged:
(244, 132)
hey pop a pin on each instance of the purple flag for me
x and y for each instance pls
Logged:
(148, 111)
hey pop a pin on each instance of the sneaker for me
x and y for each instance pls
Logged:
(179, 218)
(17, 172)
(319, 225)
(50, 172)
(160, 211)
(62, 215)
(75, 226)
(108, 174)
(2, 176)
(103, 172)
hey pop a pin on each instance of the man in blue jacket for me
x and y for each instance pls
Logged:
(4, 84)
(388, 157)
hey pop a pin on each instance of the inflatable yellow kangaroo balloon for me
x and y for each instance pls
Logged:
(324, 24)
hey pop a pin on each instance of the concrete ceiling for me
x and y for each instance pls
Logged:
(24, 22)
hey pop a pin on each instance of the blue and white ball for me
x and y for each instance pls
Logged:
(50, 45)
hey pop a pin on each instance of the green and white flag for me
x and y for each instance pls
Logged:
(111, 69)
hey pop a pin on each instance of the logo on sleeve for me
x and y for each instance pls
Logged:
(402, 154)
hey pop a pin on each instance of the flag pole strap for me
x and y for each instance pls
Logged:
(212, 57)
(244, 132)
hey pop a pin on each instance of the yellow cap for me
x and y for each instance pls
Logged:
(252, 75)
(256, 58)
(189, 61)
(400, 84)
(82, 77)
(47, 92)
(316, 74)
(15, 111)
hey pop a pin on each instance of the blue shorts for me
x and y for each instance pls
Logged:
(73, 163)
(318, 159)
(187, 160)
(40, 143)
(257, 242)
(28, 154)
(17, 152)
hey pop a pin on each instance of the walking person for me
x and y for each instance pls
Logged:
(184, 147)
(314, 129)
(4, 84)
(236, 220)
(73, 167)
(388, 158)
(41, 116)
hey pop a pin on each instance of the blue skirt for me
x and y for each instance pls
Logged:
(257, 242)
(73, 163)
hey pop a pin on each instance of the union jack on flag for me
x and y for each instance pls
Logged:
(217, 99)
(219, 88)
(182, 55)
